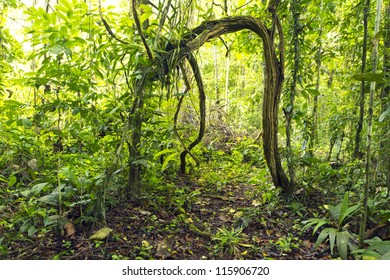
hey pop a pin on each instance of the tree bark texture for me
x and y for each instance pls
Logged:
(136, 120)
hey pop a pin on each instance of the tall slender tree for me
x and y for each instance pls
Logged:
(369, 124)
(385, 102)
(357, 154)
(314, 125)
(292, 90)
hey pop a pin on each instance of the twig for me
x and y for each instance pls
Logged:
(108, 27)
(139, 29)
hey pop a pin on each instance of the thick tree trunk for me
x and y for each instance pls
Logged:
(136, 120)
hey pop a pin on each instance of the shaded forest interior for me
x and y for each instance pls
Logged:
(194, 130)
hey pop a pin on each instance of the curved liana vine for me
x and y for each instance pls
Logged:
(274, 75)
(183, 49)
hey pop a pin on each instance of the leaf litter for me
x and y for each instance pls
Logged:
(151, 231)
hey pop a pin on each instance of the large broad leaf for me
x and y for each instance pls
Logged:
(322, 236)
(334, 211)
(349, 212)
(35, 190)
(51, 199)
(342, 244)
(343, 209)
(382, 247)
(386, 256)
(332, 239)
(314, 221)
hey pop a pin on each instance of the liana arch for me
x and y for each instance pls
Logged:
(274, 75)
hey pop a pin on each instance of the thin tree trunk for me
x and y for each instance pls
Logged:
(385, 144)
(289, 111)
(369, 125)
(314, 125)
(216, 78)
(227, 83)
(356, 153)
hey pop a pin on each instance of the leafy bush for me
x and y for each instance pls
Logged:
(228, 241)
(377, 250)
(338, 233)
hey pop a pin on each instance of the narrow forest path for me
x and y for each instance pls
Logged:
(190, 220)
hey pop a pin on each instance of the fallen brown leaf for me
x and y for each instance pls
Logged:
(69, 230)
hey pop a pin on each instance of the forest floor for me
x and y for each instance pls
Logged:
(193, 220)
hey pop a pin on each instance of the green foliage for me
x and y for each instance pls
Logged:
(338, 233)
(287, 243)
(228, 242)
(144, 251)
(68, 102)
(377, 250)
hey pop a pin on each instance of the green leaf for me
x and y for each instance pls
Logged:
(25, 122)
(65, 3)
(334, 211)
(51, 199)
(384, 115)
(319, 224)
(386, 256)
(35, 190)
(142, 162)
(162, 152)
(332, 238)
(322, 236)
(343, 209)
(314, 221)
(63, 30)
(342, 244)
(146, 12)
(69, 174)
(31, 231)
(382, 247)
(172, 156)
(349, 212)
(12, 180)
(101, 234)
